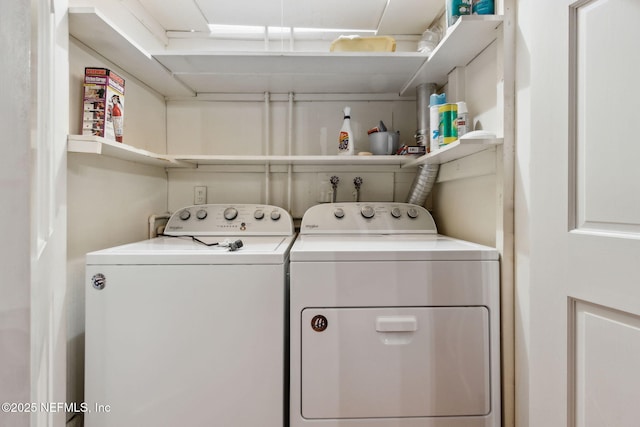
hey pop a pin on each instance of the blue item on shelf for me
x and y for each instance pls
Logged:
(483, 7)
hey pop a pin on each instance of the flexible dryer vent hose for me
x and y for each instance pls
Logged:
(423, 184)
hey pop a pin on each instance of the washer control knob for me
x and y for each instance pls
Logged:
(413, 213)
(275, 215)
(185, 215)
(230, 213)
(201, 214)
(396, 212)
(258, 214)
(367, 211)
(339, 213)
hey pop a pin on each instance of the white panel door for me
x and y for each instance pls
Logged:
(15, 295)
(49, 94)
(578, 303)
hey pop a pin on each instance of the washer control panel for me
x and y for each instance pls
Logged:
(220, 220)
(368, 218)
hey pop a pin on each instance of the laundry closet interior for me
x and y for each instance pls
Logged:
(254, 117)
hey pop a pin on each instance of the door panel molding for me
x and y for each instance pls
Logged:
(601, 66)
(602, 366)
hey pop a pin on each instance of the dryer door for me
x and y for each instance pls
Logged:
(395, 362)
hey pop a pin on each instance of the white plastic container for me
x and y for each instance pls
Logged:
(435, 101)
(345, 138)
(434, 132)
(462, 122)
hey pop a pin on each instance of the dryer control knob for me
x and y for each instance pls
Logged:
(396, 212)
(185, 215)
(230, 213)
(259, 214)
(413, 213)
(339, 213)
(201, 214)
(275, 215)
(367, 211)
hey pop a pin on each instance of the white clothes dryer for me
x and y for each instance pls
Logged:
(187, 329)
(391, 323)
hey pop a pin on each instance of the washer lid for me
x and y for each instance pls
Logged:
(185, 250)
(388, 247)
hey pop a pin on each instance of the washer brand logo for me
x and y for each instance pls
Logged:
(176, 227)
(311, 226)
(319, 323)
(99, 281)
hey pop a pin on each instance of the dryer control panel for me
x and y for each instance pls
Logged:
(220, 220)
(368, 218)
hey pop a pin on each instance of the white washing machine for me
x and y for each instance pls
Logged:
(188, 329)
(392, 325)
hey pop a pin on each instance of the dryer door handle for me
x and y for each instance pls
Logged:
(396, 324)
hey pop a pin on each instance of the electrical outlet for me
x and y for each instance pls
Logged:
(199, 195)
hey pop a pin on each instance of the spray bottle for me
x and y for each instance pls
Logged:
(345, 139)
(116, 117)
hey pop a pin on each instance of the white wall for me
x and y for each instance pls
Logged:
(465, 197)
(471, 214)
(238, 128)
(308, 188)
(226, 127)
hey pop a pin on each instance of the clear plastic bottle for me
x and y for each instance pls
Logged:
(429, 41)
(345, 138)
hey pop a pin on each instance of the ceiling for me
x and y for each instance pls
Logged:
(387, 17)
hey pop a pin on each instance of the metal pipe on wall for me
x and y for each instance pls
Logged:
(422, 109)
(290, 152)
(427, 174)
(267, 142)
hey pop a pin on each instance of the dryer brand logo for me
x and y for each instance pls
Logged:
(319, 323)
(311, 226)
(99, 281)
